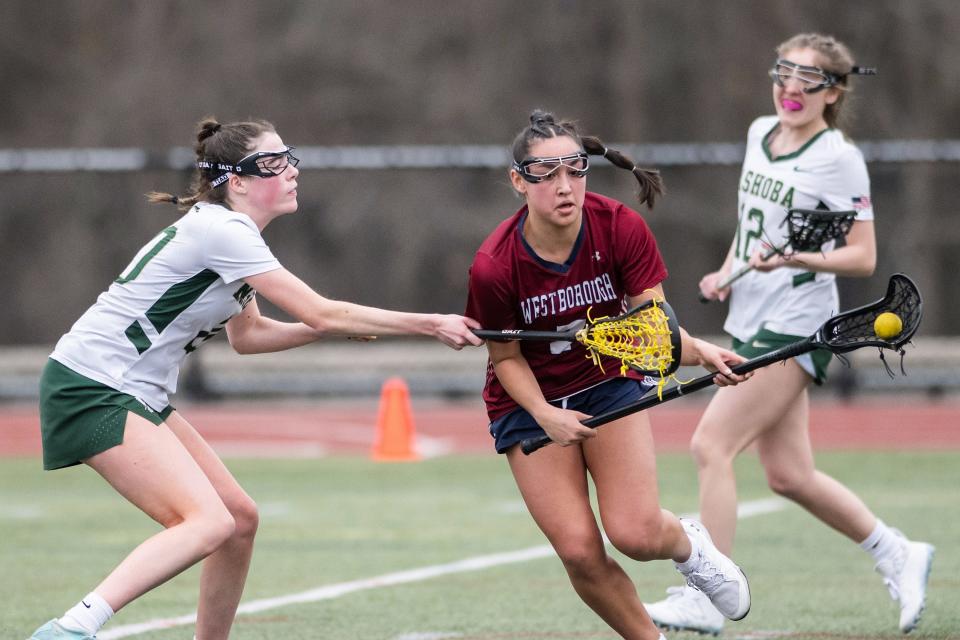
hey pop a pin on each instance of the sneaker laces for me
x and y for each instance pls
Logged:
(707, 578)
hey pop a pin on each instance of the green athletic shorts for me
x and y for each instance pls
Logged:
(815, 363)
(80, 417)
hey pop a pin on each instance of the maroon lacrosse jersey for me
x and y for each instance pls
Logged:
(615, 255)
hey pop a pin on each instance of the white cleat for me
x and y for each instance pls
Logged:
(717, 576)
(686, 609)
(906, 578)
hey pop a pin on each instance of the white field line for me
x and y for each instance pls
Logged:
(328, 592)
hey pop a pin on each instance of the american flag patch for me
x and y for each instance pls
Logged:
(861, 202)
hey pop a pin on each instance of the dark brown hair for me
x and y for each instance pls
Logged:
(543, 125)
(216, 143)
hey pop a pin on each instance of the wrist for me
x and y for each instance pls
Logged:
(541, 412)
(431, 326)
(696, 351)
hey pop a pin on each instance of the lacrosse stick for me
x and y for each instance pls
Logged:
(807, 230)
(645, 339)
(845, 332)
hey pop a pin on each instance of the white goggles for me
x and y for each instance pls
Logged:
(811, 79)
(539, 169)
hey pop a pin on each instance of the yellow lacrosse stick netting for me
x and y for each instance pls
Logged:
(646, 339)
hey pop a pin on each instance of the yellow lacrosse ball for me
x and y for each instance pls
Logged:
(887, 325)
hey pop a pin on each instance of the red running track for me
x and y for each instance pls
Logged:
(349, 428)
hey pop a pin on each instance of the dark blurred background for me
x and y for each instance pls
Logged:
(118, 74)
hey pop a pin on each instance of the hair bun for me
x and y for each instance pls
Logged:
(208, 127)
(539, 117)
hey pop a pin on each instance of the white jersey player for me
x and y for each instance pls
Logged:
(795, 159)
(180, 290)
(104, 391)
(828, 172)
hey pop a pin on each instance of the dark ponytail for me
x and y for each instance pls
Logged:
(651, 183)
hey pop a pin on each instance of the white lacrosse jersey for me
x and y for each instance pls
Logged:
(179, 291)
(828, 172)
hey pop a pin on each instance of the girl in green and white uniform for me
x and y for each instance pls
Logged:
(797, 158)
(104, 392)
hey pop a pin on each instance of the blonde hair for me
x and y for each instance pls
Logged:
(835, 57)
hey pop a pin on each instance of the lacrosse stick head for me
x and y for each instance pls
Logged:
(645, 339)
(855, 328)
(809, 229)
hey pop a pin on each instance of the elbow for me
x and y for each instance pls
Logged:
(868, 267)
(241, 347)
(320, 325)
(241, 341)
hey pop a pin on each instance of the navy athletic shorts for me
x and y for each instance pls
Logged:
(509, 429)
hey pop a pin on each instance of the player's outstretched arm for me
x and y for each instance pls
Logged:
(336, 317)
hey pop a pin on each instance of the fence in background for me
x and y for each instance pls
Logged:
(349, 370)
(437, 156)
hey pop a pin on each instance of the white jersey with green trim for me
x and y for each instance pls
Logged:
(828, 172)
(179, 291)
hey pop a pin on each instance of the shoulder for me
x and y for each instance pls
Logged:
(842, 148)
(502, 240)
(596, 202)
(219, 221)
(495, 255)
(760, 127)
(600, 209)
(613, 214)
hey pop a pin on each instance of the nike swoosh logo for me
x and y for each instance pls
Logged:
(85, 604)
(761, 345)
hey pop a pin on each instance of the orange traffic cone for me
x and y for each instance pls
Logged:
(395, 430)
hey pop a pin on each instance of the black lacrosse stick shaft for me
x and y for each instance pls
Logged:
(506, 335)
(792, 350)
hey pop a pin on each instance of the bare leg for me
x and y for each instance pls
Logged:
(154, 472)
(623, 465)
(787, 456)
(554, 486)
(735, 417)
(225, 570)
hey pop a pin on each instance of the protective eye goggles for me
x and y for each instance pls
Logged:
(539, 169)
(812, 79)
(261, 164)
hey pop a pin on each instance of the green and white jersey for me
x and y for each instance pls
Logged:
(828, 172)
(179, 290)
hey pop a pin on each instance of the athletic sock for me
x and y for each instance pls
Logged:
(882, 542)
(88, 615)
(693, 562)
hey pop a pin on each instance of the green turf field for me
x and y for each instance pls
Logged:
(337, 520)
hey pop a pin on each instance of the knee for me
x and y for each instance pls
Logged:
(786, 483)
(707, 452)
(246, 518)
(214, 528)
(641, 541)
(581, 556)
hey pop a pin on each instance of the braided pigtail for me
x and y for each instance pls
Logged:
(651, 183)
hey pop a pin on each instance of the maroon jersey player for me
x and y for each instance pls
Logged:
(564, 254)
(512, 287)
